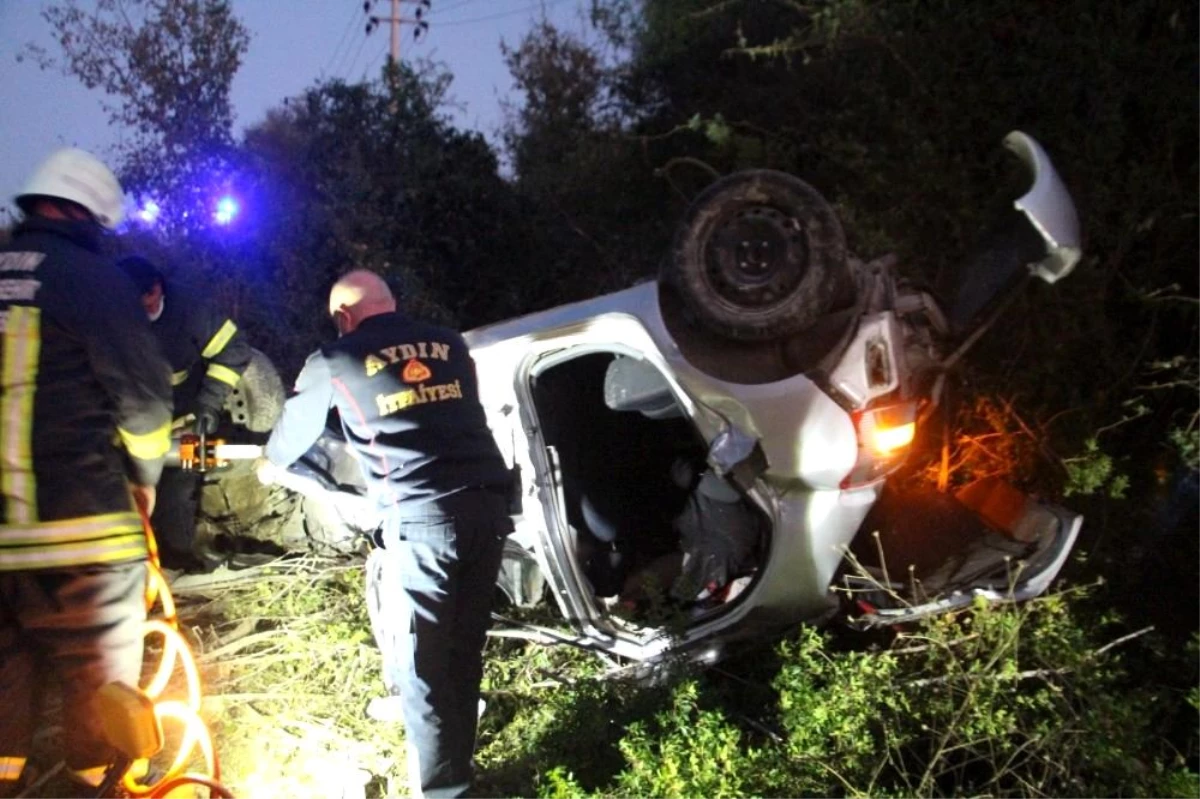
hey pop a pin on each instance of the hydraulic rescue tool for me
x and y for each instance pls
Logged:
(196, 452)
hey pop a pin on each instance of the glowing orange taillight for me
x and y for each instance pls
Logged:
(887, 440)
(884, 435)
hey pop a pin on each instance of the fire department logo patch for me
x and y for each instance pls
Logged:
(415, 372)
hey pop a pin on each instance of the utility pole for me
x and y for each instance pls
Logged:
(417, 20)
(395, 20)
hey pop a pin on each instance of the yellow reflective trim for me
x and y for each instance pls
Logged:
(117, 517)
(131, 546)
(18, 384)
(147, 446)
(223, 373)
(219, 340)
(10, 768)
(48, 535)
(177, 378)
(92, 776)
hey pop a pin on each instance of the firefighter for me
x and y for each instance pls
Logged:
(409, 404)
(85, 403)
(208, 355)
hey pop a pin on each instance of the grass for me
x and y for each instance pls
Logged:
(289, 666)
(1032, 699)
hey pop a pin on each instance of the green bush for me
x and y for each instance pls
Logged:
(1009, 700)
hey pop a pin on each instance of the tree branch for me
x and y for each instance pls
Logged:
(1032, 673)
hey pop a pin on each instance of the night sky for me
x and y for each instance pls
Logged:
(293, 44)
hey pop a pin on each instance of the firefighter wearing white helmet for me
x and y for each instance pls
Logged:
(79, 177)
(85, 413)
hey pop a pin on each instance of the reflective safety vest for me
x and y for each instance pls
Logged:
(85, 402)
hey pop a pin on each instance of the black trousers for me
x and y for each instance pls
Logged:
(174, 518)
(83, 625)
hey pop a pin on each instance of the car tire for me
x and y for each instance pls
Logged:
(759, 255)
(257, 400)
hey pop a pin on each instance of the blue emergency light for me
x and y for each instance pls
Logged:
(227, 209)
(148, 213)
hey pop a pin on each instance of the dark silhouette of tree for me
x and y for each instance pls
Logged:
(373, 176)
(167, 67)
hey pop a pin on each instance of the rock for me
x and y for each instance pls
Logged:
(236, 505)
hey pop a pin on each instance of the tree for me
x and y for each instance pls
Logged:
(600, 214)
(895, 110)
(373, 176)
(167, 67)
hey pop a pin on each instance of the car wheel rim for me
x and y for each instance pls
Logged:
(756, 257)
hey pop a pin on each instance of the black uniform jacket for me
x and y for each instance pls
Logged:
(207, 352)
(408, 399)
(85, 395)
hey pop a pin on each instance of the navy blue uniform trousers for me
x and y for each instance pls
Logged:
(446, 557)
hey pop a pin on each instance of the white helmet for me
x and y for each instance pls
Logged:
(80, 177)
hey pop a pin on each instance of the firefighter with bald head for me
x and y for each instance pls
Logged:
(208, 355)
(409, 404)
(85, 401)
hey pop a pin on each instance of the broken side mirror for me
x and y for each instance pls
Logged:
(1040, 238)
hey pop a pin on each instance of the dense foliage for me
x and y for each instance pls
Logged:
(992, 702)
(372, 176)
(1040, 699)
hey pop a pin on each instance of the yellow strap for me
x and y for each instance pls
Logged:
(223, 373)
(147, 446)
(177, 378)
(219, 340)
(10, 768)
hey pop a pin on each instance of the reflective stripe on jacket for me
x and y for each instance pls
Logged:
(85, 403)
(206, 350)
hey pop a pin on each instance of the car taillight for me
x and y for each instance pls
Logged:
(884, 436)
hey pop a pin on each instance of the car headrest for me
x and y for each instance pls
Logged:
(634, 385)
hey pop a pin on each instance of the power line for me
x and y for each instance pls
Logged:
(330, 64)
(512, 13)
(362, 43)
(372, 64)
(451, 7)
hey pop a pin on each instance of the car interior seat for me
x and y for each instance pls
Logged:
(631, 384)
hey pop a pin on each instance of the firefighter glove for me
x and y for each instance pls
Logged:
(206, 421)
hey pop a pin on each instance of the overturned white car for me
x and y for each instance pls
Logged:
(716, 443)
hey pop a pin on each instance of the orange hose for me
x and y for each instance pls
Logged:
(215, 788)
(175, 651)
(195, 734)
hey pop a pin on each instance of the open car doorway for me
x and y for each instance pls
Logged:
(650, 526)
